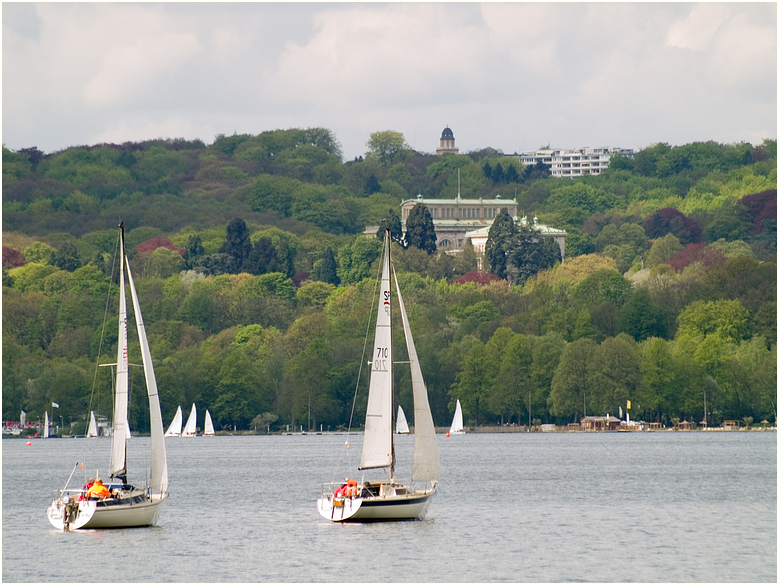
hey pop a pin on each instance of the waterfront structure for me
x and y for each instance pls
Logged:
(573, 162)
(600, 423)
(447, 143)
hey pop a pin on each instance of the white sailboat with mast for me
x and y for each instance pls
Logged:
(174, 430)
(401, 426)
(388, 499)
(92, 430)
(209, 427)
(128, 505)
(457, 421)
(190, 429)
(46, 426)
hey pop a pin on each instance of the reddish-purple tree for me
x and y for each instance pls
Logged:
(761, 206)
(700, 252)
(12, 258)
(149, 246)
(670, 220)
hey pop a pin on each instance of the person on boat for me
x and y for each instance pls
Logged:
(98, 490)
(341, 491)
(85, 488)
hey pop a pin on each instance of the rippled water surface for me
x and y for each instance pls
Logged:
(649, 507)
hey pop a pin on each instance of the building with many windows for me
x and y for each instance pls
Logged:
(574, 162)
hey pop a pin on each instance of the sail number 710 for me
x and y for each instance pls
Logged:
(380, 361)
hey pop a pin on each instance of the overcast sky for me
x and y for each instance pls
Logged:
(512, 76)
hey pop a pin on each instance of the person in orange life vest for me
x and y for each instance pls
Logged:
(85, 488)
(98, 490)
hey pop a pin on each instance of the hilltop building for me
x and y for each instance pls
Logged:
(447, 143)
(574, 162)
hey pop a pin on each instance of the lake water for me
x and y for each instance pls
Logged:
(648, 507)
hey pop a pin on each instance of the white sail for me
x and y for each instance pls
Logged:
(46, 426)
(401, 425)
(377, 441)
(190, 429)
(159, 463)
(174, 430)
(427, 463)
(119, 437)
(209, 428)
(457, 421)
(92, 431)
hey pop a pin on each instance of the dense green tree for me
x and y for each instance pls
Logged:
(392, 222)
(387, 146)
(67, 257)
(194, 250)
(529, 254)
(262, 258)
(499, 241)
(572, 380)
(640, 318)
(327, 271)
(420, 231)
(238, 244)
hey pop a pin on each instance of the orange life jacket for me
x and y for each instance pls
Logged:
(98, 491)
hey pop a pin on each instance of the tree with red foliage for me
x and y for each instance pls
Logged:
(761, 206)
(12, 258)
(700, 252)
(479, 277)
(670, 220)
(149, 246)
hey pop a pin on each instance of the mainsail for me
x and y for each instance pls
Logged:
(119, 440)
(209, 428)
(377, 442)
(401, 425)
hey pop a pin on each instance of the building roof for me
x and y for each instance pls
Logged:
(447, 134)
(460, 201)
(543, 228)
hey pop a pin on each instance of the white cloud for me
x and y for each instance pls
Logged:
(696, 31)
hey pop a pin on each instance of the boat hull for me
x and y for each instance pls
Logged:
(106, 513)
(375, 508)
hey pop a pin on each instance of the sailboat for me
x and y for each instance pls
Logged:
(401, 426)
(190, 429)
(46, 426)
(457, 421)
(128, 505)
(209, 428)
(174, 430)
(388, 499)
(92, 430)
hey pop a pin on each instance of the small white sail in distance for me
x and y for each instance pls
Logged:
(209, 428)
(190, 429)
(174, 430)
(92, 431)
(457, 421)
(46, 426)
(401, 427)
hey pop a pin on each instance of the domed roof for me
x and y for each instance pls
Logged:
(447, 134)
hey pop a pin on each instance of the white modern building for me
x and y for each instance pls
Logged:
(574, 162)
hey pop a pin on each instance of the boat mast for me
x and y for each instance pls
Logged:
(388, 239)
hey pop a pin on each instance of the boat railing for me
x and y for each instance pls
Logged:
(66, 493)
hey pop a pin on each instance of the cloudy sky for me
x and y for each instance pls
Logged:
(513, 76)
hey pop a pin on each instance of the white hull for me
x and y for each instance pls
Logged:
(411, 506)
(96, 514)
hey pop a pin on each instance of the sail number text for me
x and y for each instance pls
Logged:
(380, 361)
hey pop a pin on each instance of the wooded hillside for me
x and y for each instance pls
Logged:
(255, 282)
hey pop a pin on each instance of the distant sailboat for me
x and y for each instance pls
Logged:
(174, 430)
(457, 421)
(209, 428)
(92, 431)
(46, 426)
(190, 429)
(401, 426)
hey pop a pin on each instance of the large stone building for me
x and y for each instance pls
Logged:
(573, 162)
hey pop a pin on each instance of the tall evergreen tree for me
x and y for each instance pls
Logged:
(327, 270)
(392, 222)
(499, 241)
(238, 245)
(530, 253)
(194, 250)
(420, 231)
(262, 259)
(67, 258)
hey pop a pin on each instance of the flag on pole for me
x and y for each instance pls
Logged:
(55, 405)
(620, 412)
(23, 418)
(628, 404)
